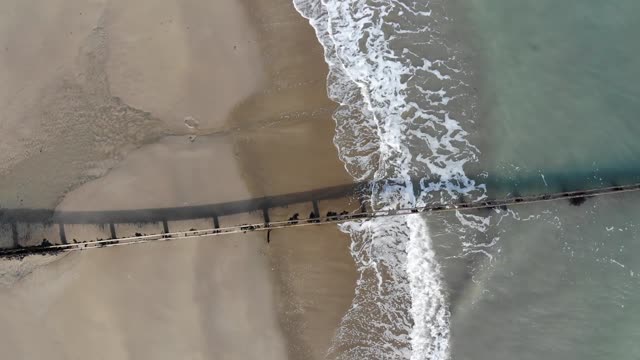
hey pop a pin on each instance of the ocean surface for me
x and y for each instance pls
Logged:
(470, 99)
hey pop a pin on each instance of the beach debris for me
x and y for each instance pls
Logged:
(577, 201)
(246, 228)
(313, 218)
(191, 123)
(294, 219)
(107, 243)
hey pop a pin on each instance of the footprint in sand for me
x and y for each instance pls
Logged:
(191, 123)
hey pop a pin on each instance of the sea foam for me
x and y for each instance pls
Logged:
(398, 124)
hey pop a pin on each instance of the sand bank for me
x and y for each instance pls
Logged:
(86, 83)
(255, 96)
(188, 299)
(182, 59)
(293, 151)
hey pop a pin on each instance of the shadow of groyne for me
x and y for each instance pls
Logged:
(497, 187)
(501, 192)
(47, 216)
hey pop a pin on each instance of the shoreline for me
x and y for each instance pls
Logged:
(313, 270)
(285, 113)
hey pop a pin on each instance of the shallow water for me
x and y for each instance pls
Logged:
(559, 99)
(403, 96)
(559, 91)
(488, 98)
(553, 281)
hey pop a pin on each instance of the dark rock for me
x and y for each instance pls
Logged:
(313, 218)
(577, 201)
(294, 219)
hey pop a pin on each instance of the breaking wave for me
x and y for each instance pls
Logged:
(403, 99)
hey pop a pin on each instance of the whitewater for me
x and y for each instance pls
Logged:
(403, 102)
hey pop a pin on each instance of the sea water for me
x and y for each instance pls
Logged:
(559, 106)
(462, 100)
(399, 124)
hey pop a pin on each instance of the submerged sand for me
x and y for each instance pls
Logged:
(240, 89)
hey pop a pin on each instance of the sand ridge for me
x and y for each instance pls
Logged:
(256, 111)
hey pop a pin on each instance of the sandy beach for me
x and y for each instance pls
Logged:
(155, 105)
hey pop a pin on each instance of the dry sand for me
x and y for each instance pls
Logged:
(183, 300)
(185, 59)
(60, 124)
(100, 82)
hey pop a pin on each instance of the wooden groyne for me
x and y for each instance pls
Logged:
(263, 206)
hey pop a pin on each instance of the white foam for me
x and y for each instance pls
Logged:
(385, 134)
(430, 332)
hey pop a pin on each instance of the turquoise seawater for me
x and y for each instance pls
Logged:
(559, 93)
(559, 104)
(448, 100)
(545, 282)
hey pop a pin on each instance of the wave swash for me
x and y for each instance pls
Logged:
(402, 98)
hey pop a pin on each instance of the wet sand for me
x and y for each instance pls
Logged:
(258, 124)
(60, 123)
(293, 151)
